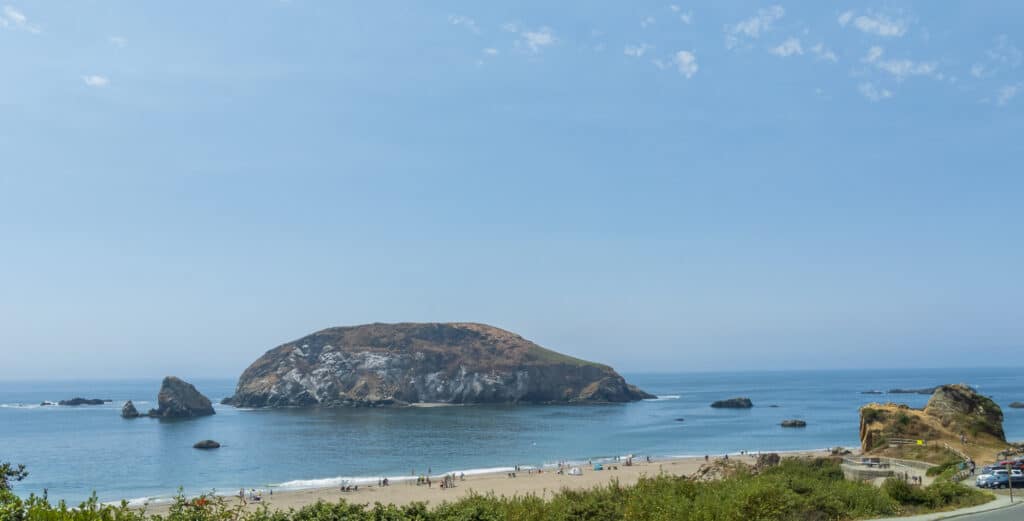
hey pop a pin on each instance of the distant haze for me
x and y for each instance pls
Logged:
(183, 187)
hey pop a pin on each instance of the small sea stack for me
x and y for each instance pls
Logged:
(206, 445)
(793, 423)
(129, 411)
(733, 403)
(1017, 405)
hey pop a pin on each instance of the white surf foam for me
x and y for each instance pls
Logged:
(663, 398)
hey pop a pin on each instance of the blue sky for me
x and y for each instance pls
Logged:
(689, 186)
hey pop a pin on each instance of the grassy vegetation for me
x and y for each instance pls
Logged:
(794, 490)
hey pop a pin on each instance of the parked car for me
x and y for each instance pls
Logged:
(1001, 479)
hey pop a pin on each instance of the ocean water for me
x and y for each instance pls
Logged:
(73, 451)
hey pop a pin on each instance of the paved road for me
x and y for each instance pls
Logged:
(1015, 513)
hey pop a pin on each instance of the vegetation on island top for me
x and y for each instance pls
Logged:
(796, 489)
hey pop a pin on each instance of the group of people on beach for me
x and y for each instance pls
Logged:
(252, 495)
(447, 481)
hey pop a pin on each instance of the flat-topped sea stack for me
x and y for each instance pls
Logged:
(733, 403)
(953, 411)
(410, 363)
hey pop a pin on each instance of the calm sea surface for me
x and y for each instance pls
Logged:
(73, 451)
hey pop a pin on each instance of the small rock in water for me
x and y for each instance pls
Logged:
(794, 423)
(733, 403)
(129, 410)
(1017, 405)
(206, 444)
(680, 419)
(74, 402)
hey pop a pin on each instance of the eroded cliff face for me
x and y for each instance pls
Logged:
(397, 364)
(955, 416)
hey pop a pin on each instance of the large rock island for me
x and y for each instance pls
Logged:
(400, 364)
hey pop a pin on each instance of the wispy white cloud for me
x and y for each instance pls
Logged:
(824, 53)
(490, 51)
(788, 48)
(903, 69)
(637, 51)
(872, 23)
(464, 21)
(119, 41)
(978, 70)
(510, 27)
(686, 63)
(874, 53)
(1004, 52)
(14, 18)
(752, 28)
(900, 69)
(684, 16)
(94, 80)
(1007, 93)
(873, 92)
(648, 21)
(535, 41)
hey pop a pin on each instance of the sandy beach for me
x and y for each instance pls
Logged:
(540, 484)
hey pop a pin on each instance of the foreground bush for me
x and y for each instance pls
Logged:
(794, 490)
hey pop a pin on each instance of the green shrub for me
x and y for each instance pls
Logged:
(796, 489)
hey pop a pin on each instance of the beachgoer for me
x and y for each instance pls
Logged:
(705, 458)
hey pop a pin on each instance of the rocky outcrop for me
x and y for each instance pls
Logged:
(129, 411)
(206, 444)
(75, 402)
(955, 414)
(963, 406)
(733, 403)
(1017, 405)
(180, 399)
(793, 423)
(398, 364)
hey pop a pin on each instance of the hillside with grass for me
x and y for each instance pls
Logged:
(956, 419)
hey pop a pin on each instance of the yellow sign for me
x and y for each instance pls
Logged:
(920, 442)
